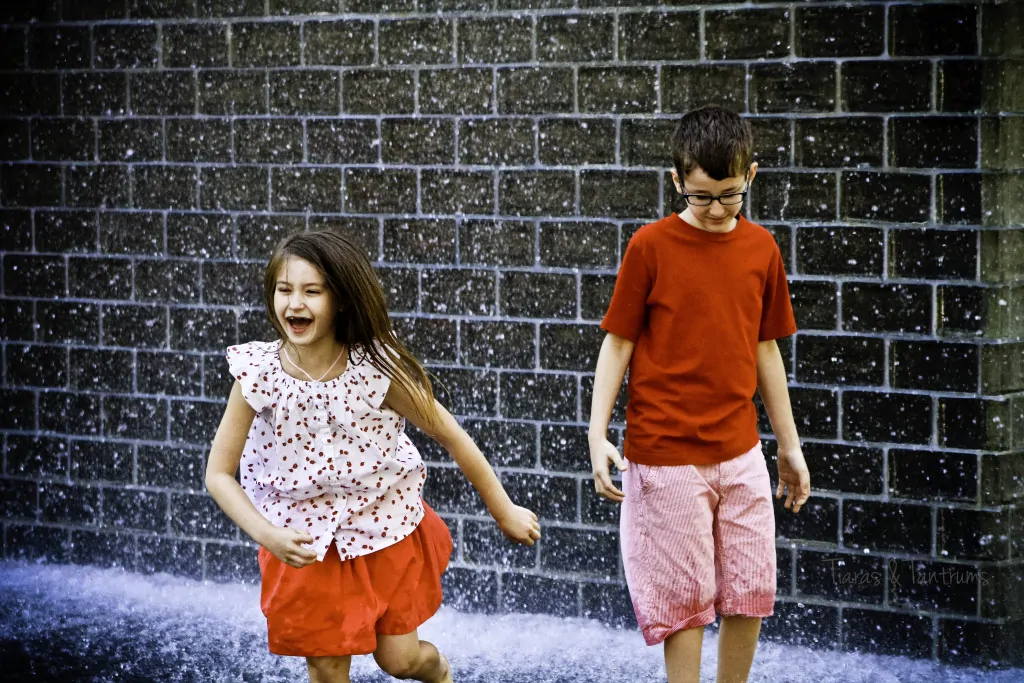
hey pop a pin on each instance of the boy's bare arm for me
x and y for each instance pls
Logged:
(772, 385)
(611, 368)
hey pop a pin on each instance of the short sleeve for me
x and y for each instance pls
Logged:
(628, 308)
(776, 309)
(252, 365)
(373, 382)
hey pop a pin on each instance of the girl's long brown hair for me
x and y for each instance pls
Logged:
(363, 323)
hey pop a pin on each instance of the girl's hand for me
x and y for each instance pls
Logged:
(519, 525)
(794, 479)
(286, 545)
(601, 453)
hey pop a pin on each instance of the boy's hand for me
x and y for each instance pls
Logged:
(519, 525)
(601, 452)
(793, 478)
(286, 545)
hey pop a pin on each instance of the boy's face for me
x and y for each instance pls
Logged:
(715, 217)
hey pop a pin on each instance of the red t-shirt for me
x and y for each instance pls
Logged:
(696, 304)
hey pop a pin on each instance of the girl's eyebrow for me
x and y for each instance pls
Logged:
(305, 284)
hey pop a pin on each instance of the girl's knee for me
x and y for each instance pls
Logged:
(328, 669)
(404, 664)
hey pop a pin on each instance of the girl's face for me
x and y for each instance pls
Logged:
(303, 304)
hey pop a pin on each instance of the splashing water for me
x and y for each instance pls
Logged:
(72, 624)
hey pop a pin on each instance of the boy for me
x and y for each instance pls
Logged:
(698, 304)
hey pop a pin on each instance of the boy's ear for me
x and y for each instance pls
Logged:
(678, 184)
(753, 172)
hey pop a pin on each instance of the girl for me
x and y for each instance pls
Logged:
(351, 557)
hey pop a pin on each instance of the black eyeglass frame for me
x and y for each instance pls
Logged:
(711, 199)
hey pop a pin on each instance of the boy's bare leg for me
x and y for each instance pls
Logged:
(682, 655)
(407, 656)
(328, 669)
(737, 642)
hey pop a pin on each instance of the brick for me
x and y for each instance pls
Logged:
(369, 190)
(886, 86)
(195, 45)
(450, 492)
(109, 550)
(268, 141)
(431, 340)
(347, 141)
(30, 185)
(800, 87)
(164, 187)
(959, 85)
(484, 544)
(455, 192)
(234, 188)
(170, 556)
(69, 504)
(772, 141)
(254, 325)
(339, 43)
(498, 40)
(299, 93)
(505, 443)
(173, 374)
(14, 139)
(60, 322)
(587, 396)
(459, 292)
(945, 254)
(29, 456)
(38, 543)
(625, 194)
(975, 424)
(204, 139)
(502, 142)
(415, 41)
(233, 284)
(887, 633)
(231, 563)
(63, 140)
(417, 141)
(456, 91)
(890, 197)
(163, 93)
(577, 142)
(538, 396)
(645, 142)
(543, 193)
(33, 94)
(401, 288)
(195, 422)
(839, 31)
(887, 526)
(893, 418)
(130, 140)
(1002, 368)
(535, 91)
(87, 373)
(569, 347)
(936, 366)
(794, 196)
(37, 276)
(306, 189)
(952, 30)
(12, 54)
(96, 186)
(575, 38)
(135, 418)
(95, 94)
(266, 44)
(841, 577)
(498, 344)
(16, 320)
(886, 308)
(376, 92)
(101, 461)
(131, 233)
(933, 475)
(167, 281)
(972, 534)
(564, 448)
(232, 92)
(419, 241)
(840, 360)
(300, 7)
(747, 34)
(818, 520)
(20, 412)
(815, 411)
(497, 243)
(553, 498)
(847, 469)
(538, 295)
(364, 233)
(654, 36)
(968, 311)
(91, 10)
(132, 509)
(839, 143)
(620, 90)
(580, 552)
(66, 47)
(18, 499)
(969, 643)
(171, 467)
(16, 229)
(835, 251)
(579, 245)
(598, 509)
(539, 595)
(934, 587)
(198, 516)
(66, 231)
(470, 590)
(125, 46)
(933, 142)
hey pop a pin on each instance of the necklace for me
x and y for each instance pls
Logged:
(320, 379)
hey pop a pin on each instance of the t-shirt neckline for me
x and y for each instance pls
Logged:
(692, 230)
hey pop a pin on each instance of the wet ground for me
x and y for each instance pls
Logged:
(77, 625)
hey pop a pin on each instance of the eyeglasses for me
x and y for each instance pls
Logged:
(730, 199)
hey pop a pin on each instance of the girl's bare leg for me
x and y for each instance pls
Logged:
(737, 642)
(328, 669)
(682, 655)
(407, 656)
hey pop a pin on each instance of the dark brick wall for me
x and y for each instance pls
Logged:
(493, 160)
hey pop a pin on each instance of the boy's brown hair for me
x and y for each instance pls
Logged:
(715, 139)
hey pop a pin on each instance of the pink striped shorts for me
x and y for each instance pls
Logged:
(696, 540)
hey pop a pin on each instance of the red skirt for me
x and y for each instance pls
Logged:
(335, 608)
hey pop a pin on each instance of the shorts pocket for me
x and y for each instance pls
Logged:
(646, 475)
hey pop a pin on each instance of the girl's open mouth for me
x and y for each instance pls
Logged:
(298, 325)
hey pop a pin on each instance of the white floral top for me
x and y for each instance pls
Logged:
(325, 456)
